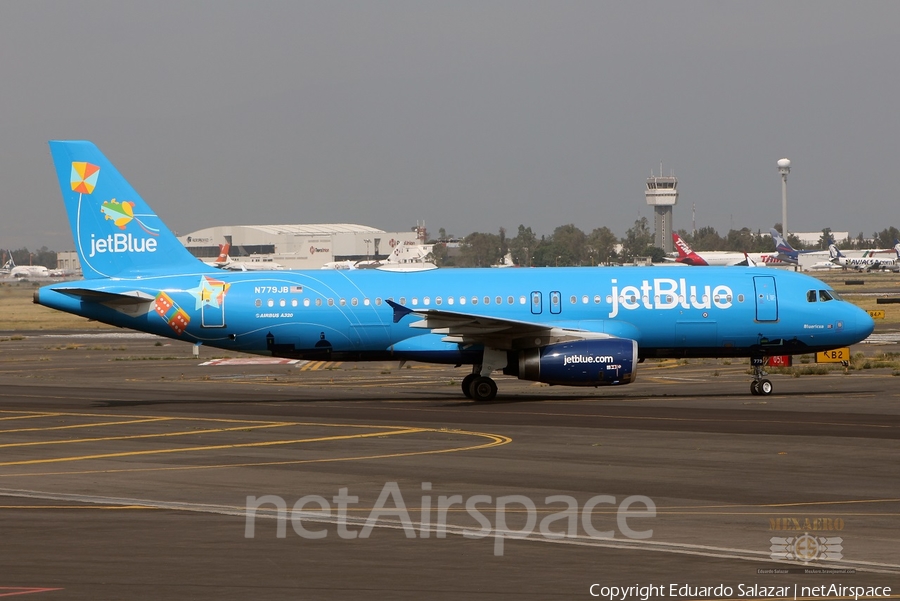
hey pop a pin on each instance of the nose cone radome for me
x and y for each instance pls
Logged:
(865, 325)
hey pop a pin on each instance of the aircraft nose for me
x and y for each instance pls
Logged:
(865, 325)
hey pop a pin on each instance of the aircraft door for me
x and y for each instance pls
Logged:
(536, 303)
(766, 298)
(555, 302)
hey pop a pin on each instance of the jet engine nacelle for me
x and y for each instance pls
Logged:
(580, 363)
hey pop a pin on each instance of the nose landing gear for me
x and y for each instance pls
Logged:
(760, 386)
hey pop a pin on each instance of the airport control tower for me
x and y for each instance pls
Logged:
(662, 194)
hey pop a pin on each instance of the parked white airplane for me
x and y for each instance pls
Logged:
(24, 271)
(687, 256)
(251, 263)
(865, 263)
(30, 271)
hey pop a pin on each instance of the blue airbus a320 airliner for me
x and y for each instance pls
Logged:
(568, 326)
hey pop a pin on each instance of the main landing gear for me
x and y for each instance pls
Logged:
(760, 386)
(477, 387)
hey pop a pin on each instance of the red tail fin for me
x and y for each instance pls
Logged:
(685, 253)
(223, 253)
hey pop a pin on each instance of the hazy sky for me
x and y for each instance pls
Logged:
(468, 115)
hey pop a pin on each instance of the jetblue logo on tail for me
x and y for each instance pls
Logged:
(121, 243)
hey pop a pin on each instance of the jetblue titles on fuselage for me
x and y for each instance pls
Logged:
(666, 293)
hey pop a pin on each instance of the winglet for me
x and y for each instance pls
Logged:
(399, 310)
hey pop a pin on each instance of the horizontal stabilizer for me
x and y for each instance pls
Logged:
(134, 297)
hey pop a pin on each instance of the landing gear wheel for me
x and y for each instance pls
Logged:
(754, 388)
(467, 385)
(483, 389)
(765, 387)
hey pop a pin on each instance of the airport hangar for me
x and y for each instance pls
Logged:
(308, 246)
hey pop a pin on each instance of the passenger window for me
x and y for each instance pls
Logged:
(343, 302)
(573, 299)
(596, 299)
(449, 300)
(318, 302)
(811, 296)
(354, 301)
(426, 301)
(438, 301)
(305, 302)
(259, 302)
(377, 301)
(462, 300)
(330, 302)
(366, 302)
(522, 300)
(270, 302)
(509, 300)
(474, 300)
(487, 300)
(499, 300)
(584, 299)
(415, 301)
(402, 300)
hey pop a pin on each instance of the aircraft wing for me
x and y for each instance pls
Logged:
(470, 328)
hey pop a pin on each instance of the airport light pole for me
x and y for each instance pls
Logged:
(784, 167)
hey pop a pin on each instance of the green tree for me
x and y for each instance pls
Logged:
(523, 246)
(479, 250)
(886, 237)
(825, 238)
(569, 244)
(706, 238)
(740, 240)
(602, 244)
(42, 256)
(637, 241)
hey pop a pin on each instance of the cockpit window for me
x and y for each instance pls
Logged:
(824, 295)
(810, 296)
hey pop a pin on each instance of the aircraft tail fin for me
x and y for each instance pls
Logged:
(116, 233)
(224, 249)
(781, 244)
(897, 248)
(685, 253)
